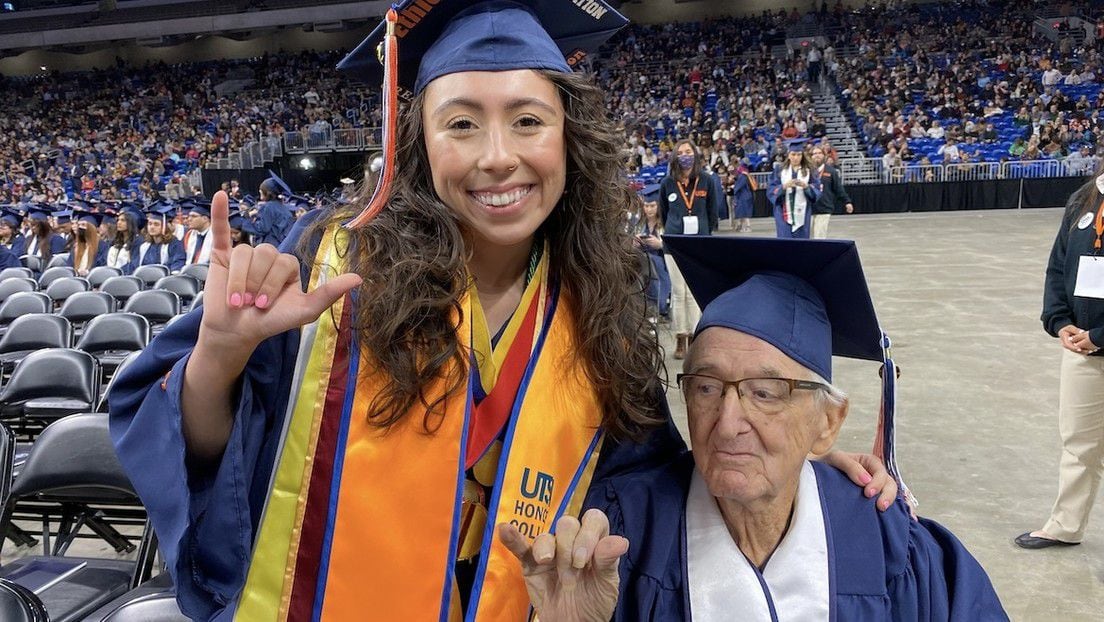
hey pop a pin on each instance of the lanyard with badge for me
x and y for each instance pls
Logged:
(1090, 269)
(689, 221)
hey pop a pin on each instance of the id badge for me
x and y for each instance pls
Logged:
(690, 225)
(1090, 277)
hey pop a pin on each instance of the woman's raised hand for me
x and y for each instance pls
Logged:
(571, 576)
(254, 293)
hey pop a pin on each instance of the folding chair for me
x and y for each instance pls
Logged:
(23, 303)
(18, 604)
(151, 273)
(156, 305)
(122, 287)
(32, 262)
(61, 289)
(58, 261)
(54, 273)
(83, 306)
(32, 332)
(15, 273)
(99, 274)
(72, 480)
(187, 287)
(112, 337)
(48, 385)
(197, 271)
(15, 286)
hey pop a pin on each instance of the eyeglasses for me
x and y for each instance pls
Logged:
(768, 396)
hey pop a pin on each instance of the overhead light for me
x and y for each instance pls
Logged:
(42, 67)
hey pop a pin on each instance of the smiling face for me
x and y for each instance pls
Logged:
(748, 456)
(496, 148)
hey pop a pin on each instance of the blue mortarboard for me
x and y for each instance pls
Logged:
(650, 192)
(275, 185)
(796, 144)
(136, 213)
(249, 200)
(91, 218)
(200, 206)
(64, 216)
(161, 210)
(808, 298)
(421, 40)
(38, 212)
(235, 219)
(449, 36)
(13, 219)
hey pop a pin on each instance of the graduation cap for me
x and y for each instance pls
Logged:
(160, 211)
(297, 201)
(421, 40)
(63, 216)
(84, 215)
(136, 213)
(38, 212)
(11, 218)
(249, 200)
(796, 144)
(808, 298)
(199, 205)
(649, 193)
(273, 185)
(236, 220)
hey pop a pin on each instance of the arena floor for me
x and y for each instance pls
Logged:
(960, 295)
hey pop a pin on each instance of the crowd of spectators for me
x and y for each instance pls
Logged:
(944, 82)
(956, 83)
(133, 133)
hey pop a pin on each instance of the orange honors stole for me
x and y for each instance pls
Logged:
(362, 523)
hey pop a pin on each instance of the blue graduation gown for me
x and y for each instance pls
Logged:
(205, 521)
(777, 196)
(271, 225)
(175, 255)
(743, 198)
(8, 259)
(884, 565)
(99, 260)
(18, 245)
(56, 242)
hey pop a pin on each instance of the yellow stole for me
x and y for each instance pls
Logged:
(382, 542)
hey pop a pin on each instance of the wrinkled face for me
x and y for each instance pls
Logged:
(497, 151)
(747, 456)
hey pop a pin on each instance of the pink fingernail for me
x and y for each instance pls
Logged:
(235, 299)
(248, 299)
(262, 301)
(864, 478)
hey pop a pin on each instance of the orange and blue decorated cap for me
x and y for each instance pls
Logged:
(439, 37)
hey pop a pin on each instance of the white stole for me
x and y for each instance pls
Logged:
(800, 202)
(164, 252)
(118, 257)
(724, 585)
(190, 243)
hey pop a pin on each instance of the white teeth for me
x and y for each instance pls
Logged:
(505, 198)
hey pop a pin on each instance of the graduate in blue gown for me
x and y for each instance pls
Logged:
(88, 251)
(14, 240)
(42, 242)
(743, 197)
(837, 556)
(273, 219)
(793, 191)
(159, 245)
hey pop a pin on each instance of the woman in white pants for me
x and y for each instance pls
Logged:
(1073, 311)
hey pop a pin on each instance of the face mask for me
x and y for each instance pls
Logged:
(686, 161)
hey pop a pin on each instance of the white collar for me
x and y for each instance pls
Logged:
(795, 585)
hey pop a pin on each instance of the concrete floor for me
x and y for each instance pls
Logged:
(960, 295)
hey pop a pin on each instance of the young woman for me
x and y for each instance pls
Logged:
(1074, 313)
(649, 236)
(88, 251)
(159, 245)
(127, 238)
(793, 190)
(297, 467)
(689, 204)
(10, 237)
(743, 197)
(42, 241)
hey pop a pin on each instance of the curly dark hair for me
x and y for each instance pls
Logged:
(413, 259)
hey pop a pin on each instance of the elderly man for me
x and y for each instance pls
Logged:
(746, 527)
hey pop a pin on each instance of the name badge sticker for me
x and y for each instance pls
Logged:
(690, 226)
(1085, 221)
(1090, 277)
(671, 198)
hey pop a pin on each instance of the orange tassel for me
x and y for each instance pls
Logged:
(382, 193)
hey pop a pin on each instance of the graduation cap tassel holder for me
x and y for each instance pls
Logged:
(390, 59)
(885, 442)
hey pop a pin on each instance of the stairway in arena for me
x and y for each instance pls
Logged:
(852, 159)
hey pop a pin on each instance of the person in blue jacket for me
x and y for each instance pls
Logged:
(745, 526)
(158, 245)
(743, 197)
(10, 237)
(42, 242)
(88, 251)
(1073, 312)
(793, 191)
(273, 218)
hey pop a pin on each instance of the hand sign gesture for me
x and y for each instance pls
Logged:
(254, 293)
(571, 576)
